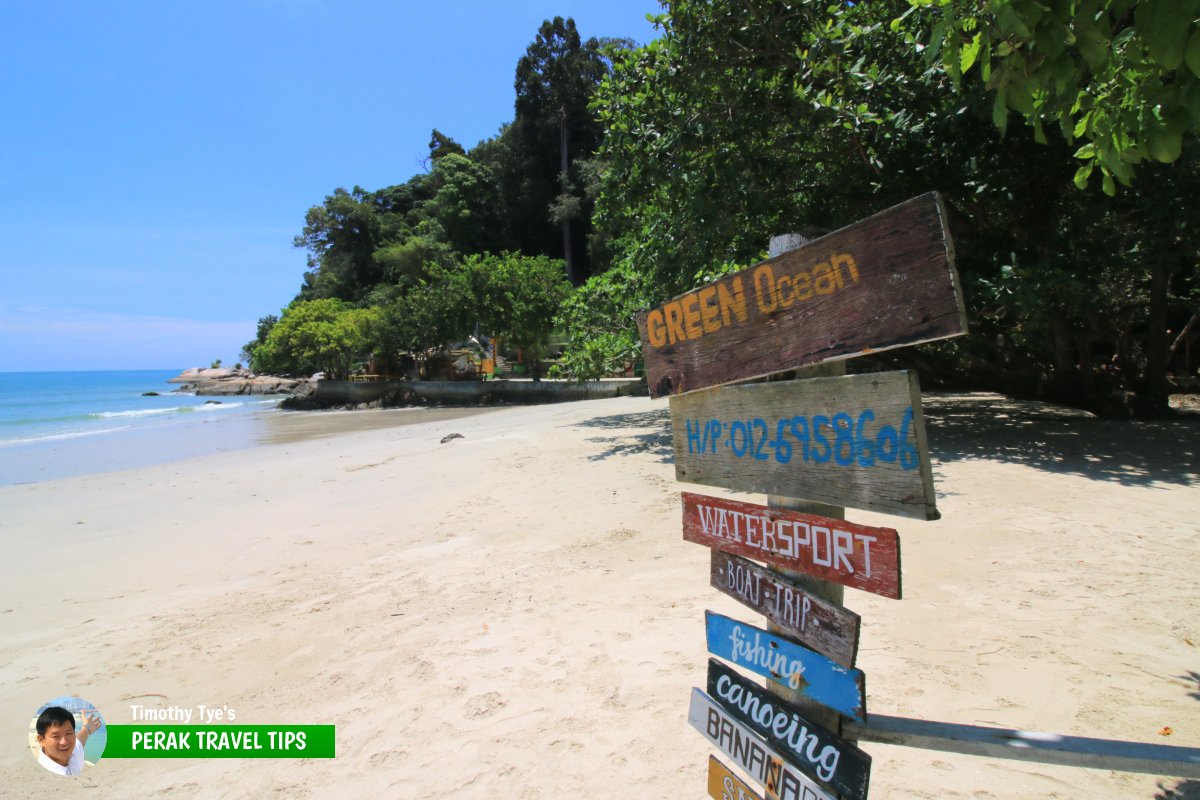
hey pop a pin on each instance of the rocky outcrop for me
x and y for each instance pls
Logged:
(303, 398)
(220, 382)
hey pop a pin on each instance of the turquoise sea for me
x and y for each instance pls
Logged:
(58, 424)
(65, 424)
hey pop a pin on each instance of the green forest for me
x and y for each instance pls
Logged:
(1061, 136)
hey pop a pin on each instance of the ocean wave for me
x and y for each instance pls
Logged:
(141, 412)
(217, 406)
(51, 437)
(152, 412)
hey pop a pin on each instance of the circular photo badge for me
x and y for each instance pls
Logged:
(67, 734)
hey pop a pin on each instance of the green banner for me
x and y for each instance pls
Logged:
(220, 741)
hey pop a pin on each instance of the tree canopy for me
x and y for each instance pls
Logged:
(753, 118)
(1122, 76)
(642, 172)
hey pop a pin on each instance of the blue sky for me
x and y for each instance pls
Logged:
(156, 158)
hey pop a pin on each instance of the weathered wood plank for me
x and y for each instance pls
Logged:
(832, 761)
(859, 556)
(1042, 748)
(814, 622)
(855, 440)
(724, 785)
(811, 674)
(750, 752)
(887, 281)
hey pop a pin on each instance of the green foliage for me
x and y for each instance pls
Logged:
(517, 298)
(741, 119)
(748, 119)
(1122, 75)
(465, 204)
(404, 262)
(325, 335)
(557, 75)
(341, 237)
(264, 329)
(442, 145)
(600, 324)
(432, 314)
(670, 164)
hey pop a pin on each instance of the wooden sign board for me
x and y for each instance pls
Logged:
(813, 621)
(887, 281)
(724, 785)
(859, 556)
(852, 440)
(816, 752)
(811, 674)
(750, 752)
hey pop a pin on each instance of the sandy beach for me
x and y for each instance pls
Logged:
(514, 613)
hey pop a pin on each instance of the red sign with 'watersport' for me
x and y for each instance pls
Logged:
(858, 556)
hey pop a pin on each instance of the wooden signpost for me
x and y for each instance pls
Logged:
(750, 752)
(819, 754)
(859, 556)
(812, 445)
(805, 671)
(855, 440)
(827, 628)
(887, 281)
(724, 785)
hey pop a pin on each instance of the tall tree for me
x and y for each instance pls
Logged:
(341, 236)
(555, 81)
(442, 145)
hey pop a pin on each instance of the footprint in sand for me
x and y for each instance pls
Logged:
(482, 706)
(385, 756)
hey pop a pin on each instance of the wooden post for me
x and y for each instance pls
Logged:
(834, 593)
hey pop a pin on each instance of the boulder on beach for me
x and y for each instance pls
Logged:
(204, 374)
(221, 382)
(302, 397)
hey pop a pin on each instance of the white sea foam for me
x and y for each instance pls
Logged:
(142, 412)
(218, 406)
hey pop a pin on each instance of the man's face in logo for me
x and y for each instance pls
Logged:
(58, 742)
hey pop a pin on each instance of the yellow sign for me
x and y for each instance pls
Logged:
(722, 304)
(724, 785)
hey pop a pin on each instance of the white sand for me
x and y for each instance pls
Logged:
(515, 614)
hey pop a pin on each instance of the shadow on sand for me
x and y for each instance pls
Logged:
(641, 433)
(1064, 440)
(991, 426)
(1192, 677)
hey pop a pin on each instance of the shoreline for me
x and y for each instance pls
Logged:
(507, 612)
(121, 449)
